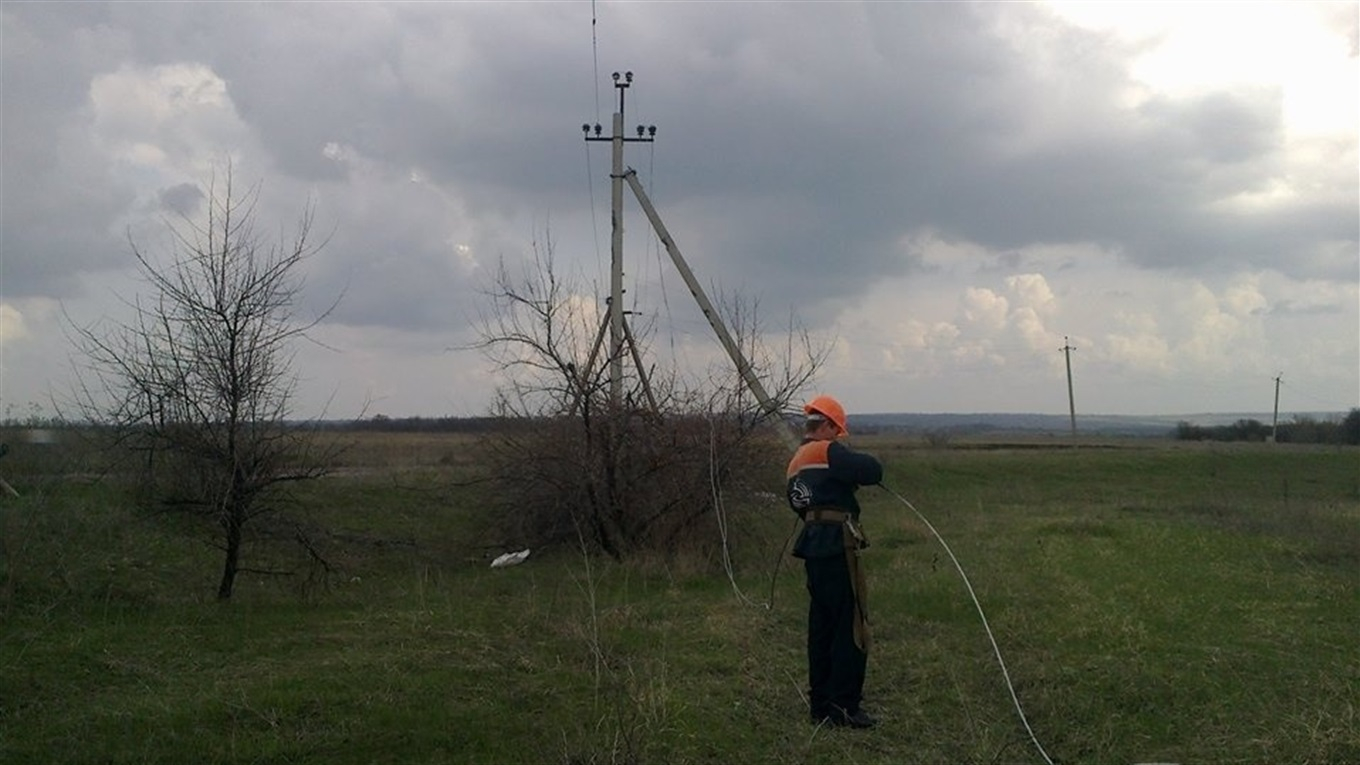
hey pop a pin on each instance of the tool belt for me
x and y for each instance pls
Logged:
(825, 515)
(855, 541)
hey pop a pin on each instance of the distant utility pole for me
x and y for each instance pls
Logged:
(1275, 418)
(617, 330)
(1071, 402)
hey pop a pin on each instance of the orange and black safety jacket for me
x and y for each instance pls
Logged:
(826, 475)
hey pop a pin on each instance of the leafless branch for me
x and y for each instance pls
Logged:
(200, 379)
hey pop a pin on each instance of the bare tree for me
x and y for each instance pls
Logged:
(639, 474)
(200, 380)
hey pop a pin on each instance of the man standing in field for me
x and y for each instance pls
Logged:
(823, 477)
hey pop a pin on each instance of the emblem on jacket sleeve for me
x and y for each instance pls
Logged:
(800, 496)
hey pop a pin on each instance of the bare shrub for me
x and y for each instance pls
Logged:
(628, 483)
(199, 382)
(629, 476)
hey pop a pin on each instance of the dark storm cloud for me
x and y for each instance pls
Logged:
(800, 155)
(472, 94)
(57, 203)
(182, 199)
(795, 140)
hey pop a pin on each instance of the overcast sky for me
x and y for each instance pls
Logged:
(942, 192)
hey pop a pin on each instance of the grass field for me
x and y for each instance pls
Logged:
(1154, 602)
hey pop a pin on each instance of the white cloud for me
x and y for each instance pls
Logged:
(12, 327)
(1310, 296)
(1138, 343)
(1218, 336)
(910, 346)
(985, 308)
(1033, 292)
(465, 257)
(936, 252)
(1197, 47)
(29, 356)
(1138, 335)
(1243, 297)
(136, 101)
(1031, 329)
(165, 124)
(336, 152)
(941, 334)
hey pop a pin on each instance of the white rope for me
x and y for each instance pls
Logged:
(1015, 699)
(721, 514)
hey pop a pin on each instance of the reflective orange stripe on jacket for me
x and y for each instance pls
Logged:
(812, 454)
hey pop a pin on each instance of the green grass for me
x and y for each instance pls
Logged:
(1153, 602)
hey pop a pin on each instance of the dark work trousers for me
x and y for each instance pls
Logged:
(835, 664)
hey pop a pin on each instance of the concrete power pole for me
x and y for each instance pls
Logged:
(619, 333)
(617, 330)
(1071, 401)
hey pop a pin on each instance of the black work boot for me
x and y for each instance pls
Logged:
(856, 719)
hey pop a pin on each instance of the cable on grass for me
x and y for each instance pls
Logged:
(996, 649)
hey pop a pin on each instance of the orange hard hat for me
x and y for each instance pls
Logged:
(829, 408)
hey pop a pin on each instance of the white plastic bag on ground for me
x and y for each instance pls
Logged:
(510, 559)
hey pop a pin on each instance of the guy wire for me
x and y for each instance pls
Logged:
(595, 55)
(590, 183)
(594, 217)
(997, 650)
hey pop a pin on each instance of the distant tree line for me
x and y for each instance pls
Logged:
(1301, 430)
(382, 423)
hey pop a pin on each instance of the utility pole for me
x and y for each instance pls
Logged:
(617, 331)
(1275, 418)
(1071, 402)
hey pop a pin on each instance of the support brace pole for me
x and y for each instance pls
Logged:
(583, 375)
(748, 374)
(642, 371)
